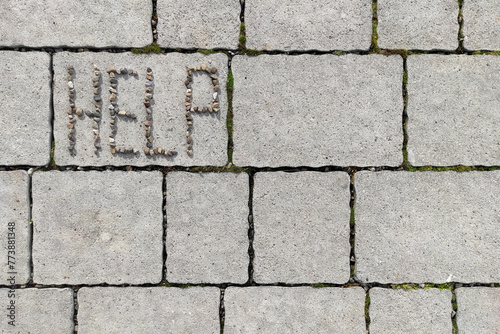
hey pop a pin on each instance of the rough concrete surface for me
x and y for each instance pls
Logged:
(97, 227)
(427, 227)
(103, 23)
(453, 103)
(481, 25)
(198, 24)
(418, 24)
(168, 110)
(312, 110)
(132, 310)
(301, 227)
(308, 25)
(38, 311)
(15, 242)
(25, 107)
(294, 310)
(410, 311)
(207, 227)
(478, 310)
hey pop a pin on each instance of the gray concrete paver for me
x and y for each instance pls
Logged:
(97, 227)
(308, 25)
(294, 310)
(25, 107)
(418, 24)
(59, 23)
(452, 110)
(148, 310)
(311, 110)
(477, 310)
(410, 311)
(423, 227)
(207, 227)
(301, 227)
(481, 25)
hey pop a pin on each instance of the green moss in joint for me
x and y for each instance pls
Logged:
(374, 45)
(151, 48)
(251, 52)
(206, 51)
(243, 39)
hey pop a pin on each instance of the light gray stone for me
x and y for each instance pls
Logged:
(427, 227)
(148, 310)
(481, 25)
(97, 227)
(169, 121)
(207, 228)
(38, 311)
(294, 310)
(308, 25)
(478, 310)
(301, 227)
(412, 311)
(312, 110)
(25, 107)
(417, 24)
(452, 110)
(104, 23)
(14, 231)
(198, 24)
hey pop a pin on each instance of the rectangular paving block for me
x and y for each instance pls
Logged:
(207, 227)
(410, 311)
(481, 24)
(453, 104)
(103, 23)
(427, 227)
(308, 25)
(148, 310)
(418, 24)
(478, 310)
(204, 24)
(145, 110)
(25, 107)
(97, 227)
(311, 110)
(14, 230)
(301, 227)
(294, 310)
(37, 311)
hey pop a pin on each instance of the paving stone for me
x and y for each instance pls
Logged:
(312, 110)
(412, 311)
(418, 24)
(38, 311)
(169, 126)
(301, 227)
(481, 25)
(294, 310)
(307, 25)
(199, 24)
(104, 23)
(148, 310)
(97, 227)
(25, 107)
(427, 227)
(14, 210)
(478, 310)
(207, 227)
(452, 110)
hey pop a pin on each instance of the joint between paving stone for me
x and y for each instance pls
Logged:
(460, 20)
(352, 229)
(251, 251)
(454, 308)
(75, 310)
(222, 310)
(367, 310)
(164, 225)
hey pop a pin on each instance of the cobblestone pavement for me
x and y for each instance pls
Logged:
(173, 166)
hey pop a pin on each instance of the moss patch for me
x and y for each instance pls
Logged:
(242, 41)
(151, 48)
